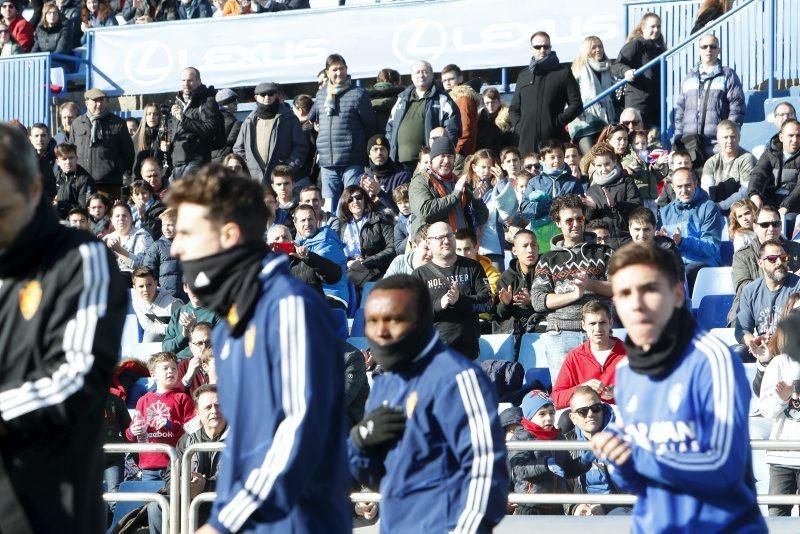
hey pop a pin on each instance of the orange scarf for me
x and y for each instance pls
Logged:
(433, 179)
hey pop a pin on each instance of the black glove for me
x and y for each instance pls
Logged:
(382, 426)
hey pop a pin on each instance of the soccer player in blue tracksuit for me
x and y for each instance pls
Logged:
(431, 438)
(682, 443)
(284, 467)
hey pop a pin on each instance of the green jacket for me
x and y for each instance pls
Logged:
(174, 340)
(429, 207)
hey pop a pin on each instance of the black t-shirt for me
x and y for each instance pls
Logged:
(458, 324)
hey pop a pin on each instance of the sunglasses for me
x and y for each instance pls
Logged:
(536, 166)
(767, 224)
(708, 47)
(629, 123)
(268, 93)
(357, 196)
(594, 408)
(539, 47)
(772, 258)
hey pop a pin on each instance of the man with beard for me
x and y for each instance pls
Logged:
(431, 439)
(763, 300)
(681, 442)
(285, 467)
(383, 174)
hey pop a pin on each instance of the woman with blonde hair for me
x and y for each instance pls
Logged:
(146, 140)
(645, 43)
(709, 11)
(593, 74)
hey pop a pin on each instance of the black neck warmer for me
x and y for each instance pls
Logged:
(665, 353)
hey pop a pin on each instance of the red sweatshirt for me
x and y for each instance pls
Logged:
(165, 413)
(580, 366)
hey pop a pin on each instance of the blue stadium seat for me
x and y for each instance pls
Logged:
(352, 299)
(340, 317)
(537, 373)
(358, 324)
(756, 134)
(130, 330)
(358, 342)
(534, 360)
(133, 486)
(365, 292)
(496, 347)
(713, 311)
(712, 281)
(726, 253)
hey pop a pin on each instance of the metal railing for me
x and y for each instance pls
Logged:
(132, 496)
(194, 509)
(25, 88)
(186, 478)
(122, 448)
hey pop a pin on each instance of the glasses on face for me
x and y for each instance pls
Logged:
(441, 238)
(4, 31)
(542, 46)
(357, 196)
(270, 93)
(772, 258)
(594, 408)
(531, 166)
(202, 343)
(767, 224)
(708, 47)
(630, 123)
(787, 115)
(577, 220)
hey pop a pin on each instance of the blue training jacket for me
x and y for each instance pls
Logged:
(691, 465)
(700, 225)
(284, 467)
(448, 472)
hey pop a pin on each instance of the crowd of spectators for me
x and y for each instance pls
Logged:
(441, 182)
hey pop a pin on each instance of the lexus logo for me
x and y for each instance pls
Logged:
(149, 62)
(419, 39)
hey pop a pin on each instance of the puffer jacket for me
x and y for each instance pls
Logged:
(108, 158)
(200, 130)
(165, 267)
(377, 242)
(543, 189)
(440, 110)
(57, 39)
(772, 174)
(326, 243)
(725, 101)
(343, 135)
(625, 195)
(700, 225)
(288, 145)
(73, 190)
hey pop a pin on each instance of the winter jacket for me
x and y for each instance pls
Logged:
(315, 270)
(466, 100)
(725, 101)
(544, 103)
(377, 242)
(109, 156)
(383, 96)
(21, 32)
(343, 135)
(402, 227)
(174, 340)
(206, 463)
(395, 176)
(543, 189)
(733, 176)
(440, 110)
(625, 196)
(644, 92)
(495, 132)
(428, 207)
(591, 83)
(150, 221)
(689, 442)
(200, 130)
(71, 15)
(645, 177)
(555, 273)
(285, 457)
(451, 450)
(57, 39)
(232, 128)
(73, 190)
(356, 385)
(581, 366)
(760, 308)
(288, 145)
(62, 307)
(700, 225)
(530, 473)
(154, 316)
(511, 318)
(196, 9)
(165, 267)
(401, 264)
(326, 243)
(501, 202)
(785, 415)
(775, 180)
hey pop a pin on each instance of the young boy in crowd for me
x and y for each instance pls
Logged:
(78, 218)
(157, 258)
(513, 312)
(601, 230)
(74, 185)
(402, 224)
(160, 414)
(153, 305)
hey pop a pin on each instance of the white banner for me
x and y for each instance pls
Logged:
(292, 46)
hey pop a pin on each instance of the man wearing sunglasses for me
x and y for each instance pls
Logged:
(710, 93)
(590, 415)
(763, 299)
(767, 227)
(546, 97)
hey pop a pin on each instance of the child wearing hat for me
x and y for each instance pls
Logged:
(542, 471)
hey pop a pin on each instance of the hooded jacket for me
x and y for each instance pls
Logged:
(774, 179)
(625, 196)
(466, 100)
(288, 145)
(543, 189)
(580, 366)
(544, 102)
(383, 97)
(165, 267)
(440, 110)
(725, 101)
(200, 130)
(700, 225)
(390, 178)
(326, 243)
(343, 135)
(401, 264)
(110, 155)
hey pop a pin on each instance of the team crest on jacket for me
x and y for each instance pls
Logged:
(250, 341)
(233, 315)
(30, 296)
(411, 403)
